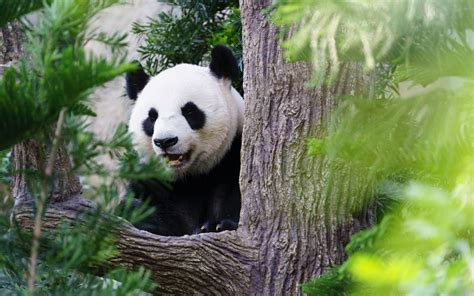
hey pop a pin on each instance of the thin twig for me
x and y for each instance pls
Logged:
(48, 172)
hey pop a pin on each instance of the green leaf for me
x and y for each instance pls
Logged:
(11, 10)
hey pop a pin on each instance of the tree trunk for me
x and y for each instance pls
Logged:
(291, 230)
(27, 156)
(10, 43)
(10, 51)
(300, 231)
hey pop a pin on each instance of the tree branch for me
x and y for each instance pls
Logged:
(212, 263)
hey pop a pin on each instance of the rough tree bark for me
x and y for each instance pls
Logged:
(10, 51)
(290, 230)
(10, 43)
(27, 155)
(298, 230)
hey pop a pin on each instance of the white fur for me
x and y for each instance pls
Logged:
(167, 93)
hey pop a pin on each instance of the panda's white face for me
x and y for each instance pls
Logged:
(188, 116)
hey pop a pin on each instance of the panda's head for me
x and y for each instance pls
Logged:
(187, 114)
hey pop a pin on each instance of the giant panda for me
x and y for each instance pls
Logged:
(192, 117)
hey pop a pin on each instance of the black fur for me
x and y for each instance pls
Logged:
(149, 123)
(204, 203)
(194, 116)
(195, 204)
(223, 63)
(136, 81)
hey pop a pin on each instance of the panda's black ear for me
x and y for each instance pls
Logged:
(223, 63)
(136, 81)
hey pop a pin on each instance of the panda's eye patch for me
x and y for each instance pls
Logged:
(148, 124)
(194, 116)
(153, 114)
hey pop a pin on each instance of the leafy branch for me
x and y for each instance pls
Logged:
(57, 73)
(51, 84)
(12, 10)
(187, 32)
(397, 32)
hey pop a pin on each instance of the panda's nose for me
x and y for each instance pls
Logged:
(165, 143)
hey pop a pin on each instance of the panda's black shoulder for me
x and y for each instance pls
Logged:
(223, 176)
(229, 166)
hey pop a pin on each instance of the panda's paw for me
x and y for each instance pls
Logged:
(206, 227)
(218, 226)
(226, 224)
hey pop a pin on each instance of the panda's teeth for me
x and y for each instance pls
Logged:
(177, 160)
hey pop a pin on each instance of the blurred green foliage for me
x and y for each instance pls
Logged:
(417, 149)
(415, 35)
(187, 33)
(424, 248)
(14, 9)
(68, 259)
(5, 167)
(56, 75)
(427, 137)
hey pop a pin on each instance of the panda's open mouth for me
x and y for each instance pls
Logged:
(177, 160)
